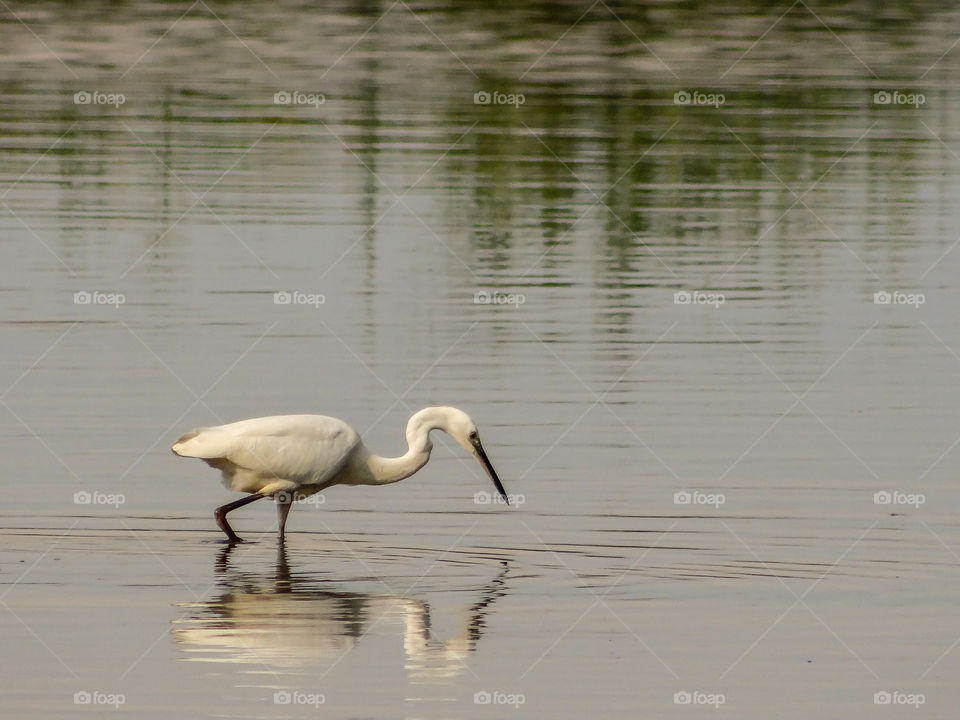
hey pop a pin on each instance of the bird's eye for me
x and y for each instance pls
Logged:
(474, 435)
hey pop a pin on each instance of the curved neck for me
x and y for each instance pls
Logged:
(390, 470)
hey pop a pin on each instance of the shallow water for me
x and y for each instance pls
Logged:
(686, 373)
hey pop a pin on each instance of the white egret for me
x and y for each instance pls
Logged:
(290, 457)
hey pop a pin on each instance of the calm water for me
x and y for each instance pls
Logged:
(718, 245)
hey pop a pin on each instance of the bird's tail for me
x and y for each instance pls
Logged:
(205, 443)
(193, 444)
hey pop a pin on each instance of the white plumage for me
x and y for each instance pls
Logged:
(254, 454)
(290, 457)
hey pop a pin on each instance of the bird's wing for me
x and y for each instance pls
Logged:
(310, 448)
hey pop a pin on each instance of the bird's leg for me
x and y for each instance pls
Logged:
(284, 502)
(220, 514)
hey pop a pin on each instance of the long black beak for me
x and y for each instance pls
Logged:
(485, 461)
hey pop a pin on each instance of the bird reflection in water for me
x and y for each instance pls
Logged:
(286, 621)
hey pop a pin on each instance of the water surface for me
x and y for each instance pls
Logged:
(687, 221)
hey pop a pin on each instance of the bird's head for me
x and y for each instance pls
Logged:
(458, 425)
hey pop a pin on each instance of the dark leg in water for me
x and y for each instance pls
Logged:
(220, 514)
(284, 502)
